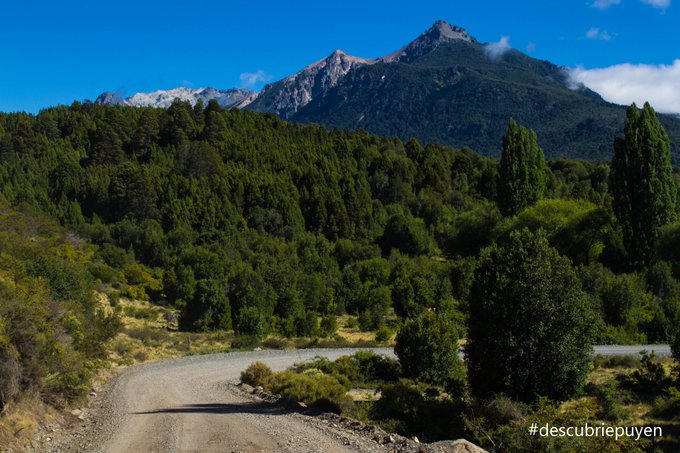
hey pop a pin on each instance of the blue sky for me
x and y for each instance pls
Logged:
(57, 52)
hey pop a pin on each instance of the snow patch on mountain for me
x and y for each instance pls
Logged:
(234, 97)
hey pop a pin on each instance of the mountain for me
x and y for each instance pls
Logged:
(446, 87)
(286, 97)
(234, 97)
(443, 87)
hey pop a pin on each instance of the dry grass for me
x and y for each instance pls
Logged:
(364, 394)
(150, 333)
(24, 424)
(350, 333)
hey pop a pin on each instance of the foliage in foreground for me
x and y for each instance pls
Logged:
(52, 331)
(530, 325)
(427, 348)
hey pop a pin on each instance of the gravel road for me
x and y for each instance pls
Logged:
(190, 405)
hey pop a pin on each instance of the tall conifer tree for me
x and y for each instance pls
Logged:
(522, 170)
(641, 183)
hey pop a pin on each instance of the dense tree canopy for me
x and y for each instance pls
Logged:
(245, 222)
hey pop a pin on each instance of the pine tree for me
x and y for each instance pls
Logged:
(642, 184)
(522, 170)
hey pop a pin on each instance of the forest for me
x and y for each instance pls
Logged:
(244, 222)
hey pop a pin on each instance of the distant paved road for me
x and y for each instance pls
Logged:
(661, 350)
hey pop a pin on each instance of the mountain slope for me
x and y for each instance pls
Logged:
(446, 87)
(289, 95)
(233, 97)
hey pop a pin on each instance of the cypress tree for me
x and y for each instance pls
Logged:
(641, 183)
(522, 170)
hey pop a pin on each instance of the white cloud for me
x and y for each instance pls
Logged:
(661, 4)
(597, 34)
(495, 50)
(250, 79)
(604, 4)
(531, 47)
(627, 83)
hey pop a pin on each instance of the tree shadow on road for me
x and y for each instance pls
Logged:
(242, 408)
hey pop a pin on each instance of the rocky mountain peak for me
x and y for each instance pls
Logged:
(429, 40)
(447, 31)
(289, 95)
(109, 98)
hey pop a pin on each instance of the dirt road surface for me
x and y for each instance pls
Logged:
(189, 405)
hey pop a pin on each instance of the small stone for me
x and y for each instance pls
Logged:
(415, 439)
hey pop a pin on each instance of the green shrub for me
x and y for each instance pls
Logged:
(649, 378)
(351, 323)
(383, 334)
(245, 342)
(114, 298)
(257, 374)
(251, 322)
(412, 409)
(329, 325)
(668, 406)
(306, 324)
(71, 385)
(378, 303)
(104, 273)
(374, 367)
(312, 387)
(276, 343)
(616, 361)
(361, 368)
(65, 280)
(609, 401)
(427, 348)
(135, 293)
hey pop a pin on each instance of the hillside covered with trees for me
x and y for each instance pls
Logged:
(243, 221)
